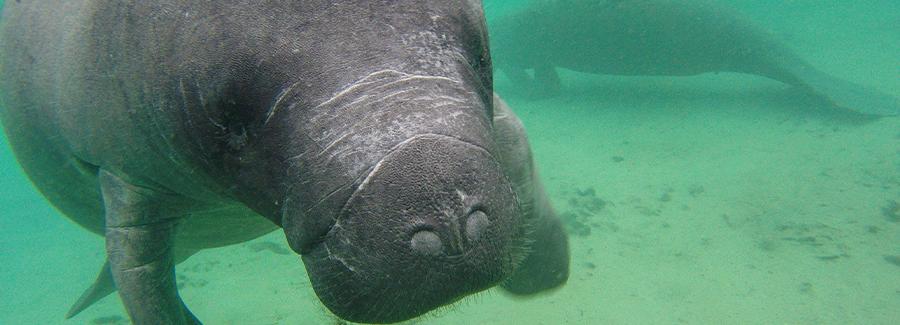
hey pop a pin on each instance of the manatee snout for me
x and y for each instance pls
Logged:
(433, 221)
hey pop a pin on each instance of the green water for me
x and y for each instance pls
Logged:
(712, 199)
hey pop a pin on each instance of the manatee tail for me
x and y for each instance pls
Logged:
(845, 94)
(768, 57)
(102, 287)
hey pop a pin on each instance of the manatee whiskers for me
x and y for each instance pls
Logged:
(523, 247)
(438, 312)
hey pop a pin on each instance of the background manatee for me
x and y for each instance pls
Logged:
(659, 37)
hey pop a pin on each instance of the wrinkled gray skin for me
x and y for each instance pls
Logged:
(361, 128)
(658, 37)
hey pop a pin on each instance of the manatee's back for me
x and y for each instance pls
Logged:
(30, 55)
(632, 37)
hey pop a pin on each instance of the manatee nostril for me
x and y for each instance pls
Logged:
(426, 243)
(476, 224)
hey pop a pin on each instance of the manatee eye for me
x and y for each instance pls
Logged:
(426, 242)
(476, 224)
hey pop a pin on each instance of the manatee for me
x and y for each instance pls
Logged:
(658, 37)
(363, 130)
(547, 267)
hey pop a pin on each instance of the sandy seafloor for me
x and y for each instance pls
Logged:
(717, 199)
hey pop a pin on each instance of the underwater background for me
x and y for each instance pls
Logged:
(712, 199)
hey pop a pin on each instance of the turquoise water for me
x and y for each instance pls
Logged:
(711, 199)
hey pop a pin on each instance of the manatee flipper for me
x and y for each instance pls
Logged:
(547, 264)
(140, 238)
(102, 287)
(844, 94)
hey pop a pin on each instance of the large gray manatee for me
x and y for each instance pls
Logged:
(362, 128)
(658, 37)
